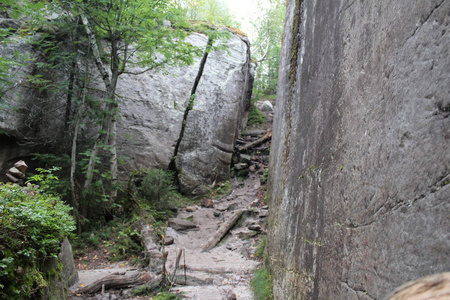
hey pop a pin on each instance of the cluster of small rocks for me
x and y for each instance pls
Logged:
(16, 174)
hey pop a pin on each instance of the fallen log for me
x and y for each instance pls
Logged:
(223, 230)
(259, 141)
(117, 281)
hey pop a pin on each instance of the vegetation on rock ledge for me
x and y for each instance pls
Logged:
(33, 227)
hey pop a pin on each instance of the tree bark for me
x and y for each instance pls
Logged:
(108, 130)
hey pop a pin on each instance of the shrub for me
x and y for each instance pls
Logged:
(255, 116)
(152, 188)
(265, 176)
(33, 227)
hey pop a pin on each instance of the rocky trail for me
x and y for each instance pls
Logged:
(211, 246)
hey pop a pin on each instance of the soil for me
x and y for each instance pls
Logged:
(224, 272)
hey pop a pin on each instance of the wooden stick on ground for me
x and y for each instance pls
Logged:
(223, 230)
(117, 281)
(259, 141)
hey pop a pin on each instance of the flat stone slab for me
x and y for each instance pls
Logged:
(180, 224)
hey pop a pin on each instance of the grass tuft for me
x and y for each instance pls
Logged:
(262, 284)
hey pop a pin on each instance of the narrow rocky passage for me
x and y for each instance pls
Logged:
(227, 269)
(207, 269)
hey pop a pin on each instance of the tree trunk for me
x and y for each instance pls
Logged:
(113, 160)
(108, 130)
(118, 281)
(73, 156)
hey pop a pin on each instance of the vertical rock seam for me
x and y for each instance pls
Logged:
(190, 106)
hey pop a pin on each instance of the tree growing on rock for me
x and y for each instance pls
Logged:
(115, 35)
(121, 33)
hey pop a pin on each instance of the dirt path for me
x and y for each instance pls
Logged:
(227, 268)
(220, 273)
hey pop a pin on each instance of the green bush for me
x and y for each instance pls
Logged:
(265, 176)
(255, 116)
(166, 296)
(259, 252)
(262, 284)
(33, 225)
(152, 189)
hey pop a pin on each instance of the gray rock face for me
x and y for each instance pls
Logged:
(152, 106)
(221, 98)
(152, 109)
(359, 170)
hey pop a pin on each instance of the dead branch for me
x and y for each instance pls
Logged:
(223, 230)
(259, 141)
(117, 281)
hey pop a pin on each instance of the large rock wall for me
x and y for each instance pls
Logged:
(360, 163)
(221, 98)
(152, 107)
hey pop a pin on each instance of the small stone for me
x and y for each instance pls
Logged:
(21, 166)
(240, 166)
(255, 203)
(267, 106)
(20, 271)
(263, 214)
(245, 158)
(180, 224)
(231, 295)
(191, 208)
(232, 206)
(16, 173)
(252, 168)
(255, 227)
(168, 240)
(12, 178)
(245, 235)
(208, 203)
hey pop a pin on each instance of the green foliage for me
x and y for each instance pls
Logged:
(262, 284)
(166, 296)
(255, 116)
(213, 11)
(118, 237)
(265, 176)
(259, 252)
(126, 244)
(224, 188)
(140, 23)
(46, 179)
(266, 47)
(153, 191)
(157, 186)
(33, 227)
